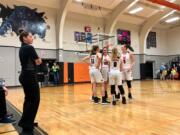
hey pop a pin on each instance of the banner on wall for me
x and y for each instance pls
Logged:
(87, 29)
(89, 38)
(151, 40)
(83, 37)
(22, 17)
(123, 37)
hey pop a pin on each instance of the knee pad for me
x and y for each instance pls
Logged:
(113, 89)
(121, 89)
(129, 84)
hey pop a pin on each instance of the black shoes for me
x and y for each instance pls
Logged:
(7, 120)
(113, 102)
(27, 132)
(104, 101)
(123, 100)
(96, 100)
(117, 97)
(129, 95)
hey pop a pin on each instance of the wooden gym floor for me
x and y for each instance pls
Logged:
(67, 110)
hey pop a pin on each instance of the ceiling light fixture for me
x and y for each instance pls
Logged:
(138, 9)
(78, 0)
(172, 20)
(170, 13)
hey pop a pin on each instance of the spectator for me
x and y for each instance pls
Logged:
(55, 70)
(178, 70)
(162, 67)
(4, 117)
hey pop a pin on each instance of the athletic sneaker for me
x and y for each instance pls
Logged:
(9, 115)
(117, 97)
(92, 98)
(96, 100)
(123, 100)
(104, 101)
(35, 124)
(129, 95)
(7, 120)
(113, 102)
(27, 132)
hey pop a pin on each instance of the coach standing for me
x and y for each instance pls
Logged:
(29, 59)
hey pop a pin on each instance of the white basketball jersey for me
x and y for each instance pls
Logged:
(126, 60)
(105, 61)
(115, 64)
(93, 61)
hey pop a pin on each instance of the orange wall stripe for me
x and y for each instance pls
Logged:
(81, 72)
(65, 72)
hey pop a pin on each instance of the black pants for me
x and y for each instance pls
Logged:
(30, 85)
(3, 110)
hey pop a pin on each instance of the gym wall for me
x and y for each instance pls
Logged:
(167, 43)
(161, 43)
(49, 42)
(173, 41)
(77, 22)
(10, 44)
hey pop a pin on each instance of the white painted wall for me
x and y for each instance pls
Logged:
(161, 40)
(134, 29)
(76, 22)
(174, 41)
(50, 43)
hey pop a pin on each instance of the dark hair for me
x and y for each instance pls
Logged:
(22, 34)
(129, 47)
(94, 49)
(103, 50)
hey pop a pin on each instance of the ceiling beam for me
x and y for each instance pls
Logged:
(61, 15)
(134, 15)
(113, 17)
(166, 4)
(148, 5)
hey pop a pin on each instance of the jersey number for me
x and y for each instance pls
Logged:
(106, 63)
(115, 64)
(92, 61)
(124, 60)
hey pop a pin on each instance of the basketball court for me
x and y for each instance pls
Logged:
(64, 31)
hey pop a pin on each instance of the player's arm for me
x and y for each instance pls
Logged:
(5, 90)
(132, 60)
(85, 58)
(121, 65)
(99, 61)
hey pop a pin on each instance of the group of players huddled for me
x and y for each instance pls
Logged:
(114, 68)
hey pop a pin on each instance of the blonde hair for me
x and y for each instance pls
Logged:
(115, 53)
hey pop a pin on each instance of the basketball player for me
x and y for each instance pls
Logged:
(95, 74)
(128, 62)
(105, 68)
(115, 76)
